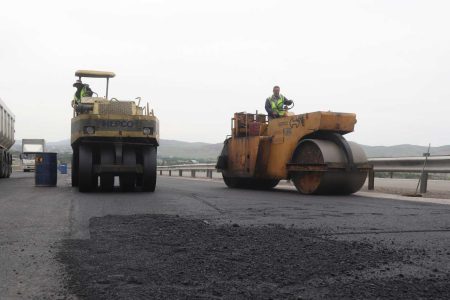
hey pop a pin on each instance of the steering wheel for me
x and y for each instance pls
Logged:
(287, 107)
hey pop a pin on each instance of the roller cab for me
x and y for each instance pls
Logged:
(112, 138)
(308, 149)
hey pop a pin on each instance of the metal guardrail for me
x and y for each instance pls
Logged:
(189, 167)
(193, 168)
(435, 164)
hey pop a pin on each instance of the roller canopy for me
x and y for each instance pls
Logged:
(94, 74)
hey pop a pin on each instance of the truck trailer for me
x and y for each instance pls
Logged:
(7, 120)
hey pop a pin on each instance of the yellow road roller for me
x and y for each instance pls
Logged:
(112, 138)
(308, 149)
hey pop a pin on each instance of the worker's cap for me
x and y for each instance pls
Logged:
(77, 83)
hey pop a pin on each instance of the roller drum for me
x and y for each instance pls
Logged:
(346, 180)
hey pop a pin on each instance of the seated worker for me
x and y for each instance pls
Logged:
(83, 90)
(275, 103)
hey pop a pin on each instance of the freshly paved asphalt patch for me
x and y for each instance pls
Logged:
(170, 257)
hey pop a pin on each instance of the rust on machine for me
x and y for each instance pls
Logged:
(308, 149)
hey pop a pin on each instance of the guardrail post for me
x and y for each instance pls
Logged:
(423, 183)
(209, 174)
(180, 173)
(170, 172)
(371, 180)
(192, 173)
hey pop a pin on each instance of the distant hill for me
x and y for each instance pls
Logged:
(404, 150)
(198, 150)
(173, 148)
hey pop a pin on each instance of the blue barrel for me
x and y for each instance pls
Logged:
(63, 168)
(46, 169)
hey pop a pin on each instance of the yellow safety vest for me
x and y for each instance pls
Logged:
(83, 93)
(277, 105)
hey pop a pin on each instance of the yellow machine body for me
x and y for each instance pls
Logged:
(120, 120)
(259, 153)
(112, 138)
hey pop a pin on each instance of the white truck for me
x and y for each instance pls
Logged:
(29, 149)
(7, 121)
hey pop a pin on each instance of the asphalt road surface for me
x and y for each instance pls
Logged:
(409, 238)
(400, 186)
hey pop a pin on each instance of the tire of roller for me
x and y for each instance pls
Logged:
(74, 168)
(149, 168)
(85, 172)
(128, 181)
(106, 157)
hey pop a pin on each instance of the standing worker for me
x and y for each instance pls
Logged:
(83, 90)
(275, 104)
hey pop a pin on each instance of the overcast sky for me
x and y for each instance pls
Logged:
(198, 62)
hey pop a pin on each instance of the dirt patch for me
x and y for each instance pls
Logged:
(168, 257)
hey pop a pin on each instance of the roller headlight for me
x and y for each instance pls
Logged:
(148, 130)
(89, 129)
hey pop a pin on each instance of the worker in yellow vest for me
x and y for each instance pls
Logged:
(83, 90)
(275, 104)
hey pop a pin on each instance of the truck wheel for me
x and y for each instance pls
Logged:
(2, 164)
(9, 166)
(5, 164)
(149, 164)
(85, 174)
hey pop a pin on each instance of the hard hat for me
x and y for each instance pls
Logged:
(78, 82)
